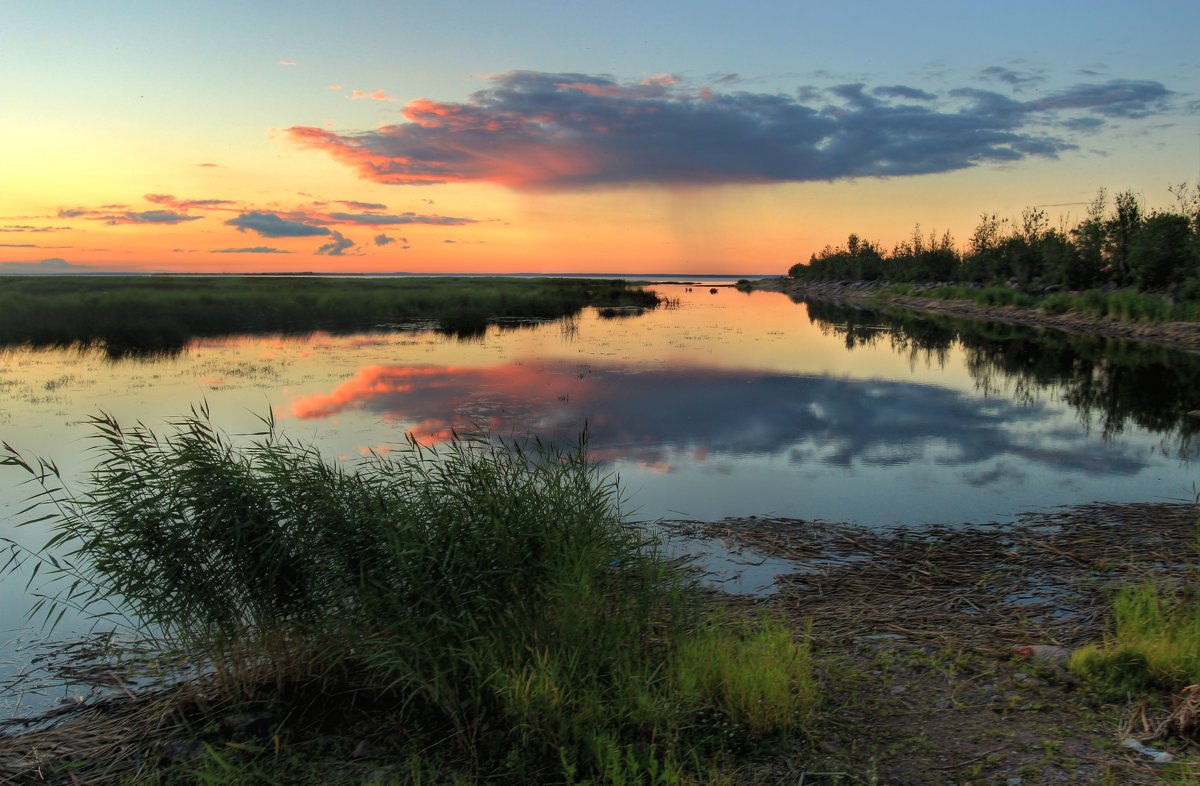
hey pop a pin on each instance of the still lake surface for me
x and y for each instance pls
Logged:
(729, 404)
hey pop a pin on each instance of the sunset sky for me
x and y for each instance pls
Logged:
(650, 137)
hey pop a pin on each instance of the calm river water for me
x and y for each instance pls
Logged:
(729, 404)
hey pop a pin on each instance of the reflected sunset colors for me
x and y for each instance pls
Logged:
(735, 405)
(727, 404)
(724, 405)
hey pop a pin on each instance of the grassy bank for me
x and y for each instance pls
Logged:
(476, 613)
(1126, 305)
(137, 315)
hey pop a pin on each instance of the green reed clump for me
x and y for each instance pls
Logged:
(487, 597)
(760, 681)
(1155, 643)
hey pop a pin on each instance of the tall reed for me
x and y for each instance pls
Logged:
(488, 595)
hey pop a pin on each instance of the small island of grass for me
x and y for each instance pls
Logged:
(131, 315)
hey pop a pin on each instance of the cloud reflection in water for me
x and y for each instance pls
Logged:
(658, 417)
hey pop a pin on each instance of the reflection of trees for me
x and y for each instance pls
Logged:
(1111, 384)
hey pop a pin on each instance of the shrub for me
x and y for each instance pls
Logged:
(1057, 303)
(488, 595)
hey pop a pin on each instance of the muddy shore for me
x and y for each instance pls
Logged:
(1184, 336)
(944, 648)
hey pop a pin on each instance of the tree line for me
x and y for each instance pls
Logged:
(1118, 244)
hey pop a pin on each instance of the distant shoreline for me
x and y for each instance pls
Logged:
(1183, 336)
(662, 278)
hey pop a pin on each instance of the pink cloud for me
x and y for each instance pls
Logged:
(374, 95)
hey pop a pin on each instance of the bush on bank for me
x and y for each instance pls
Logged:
(484, 600)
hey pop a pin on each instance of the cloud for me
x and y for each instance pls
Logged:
(44, 266)
(544, 131)
(217, 165)
(1122, 98)
(384, 240)
(253, 250)
(115, 215)
(149, 217)
(385, 219)
(271, 225)
(337, 246)
(374, 95)
(286, 62)
(27, 228)
(902, 91)
(185, 204)
(355, 205)
(19, 245)
(1017, 79)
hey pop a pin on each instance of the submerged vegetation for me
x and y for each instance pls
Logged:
(481, 609)
(1121, 246)
(126, 315)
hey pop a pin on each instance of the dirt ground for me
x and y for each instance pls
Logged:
(921, 638)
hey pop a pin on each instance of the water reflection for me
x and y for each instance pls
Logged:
(1113, 386)
(659, 417)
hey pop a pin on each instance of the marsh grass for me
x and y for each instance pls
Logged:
(1155, 638)
(483, 601)
(761, 679)
(129, 316)
(1155, 643)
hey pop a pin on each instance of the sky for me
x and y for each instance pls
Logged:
(541, 137)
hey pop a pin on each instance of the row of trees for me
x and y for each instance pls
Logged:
(1118, 243)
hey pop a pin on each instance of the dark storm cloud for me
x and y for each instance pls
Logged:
(531, 130)
(271, 225)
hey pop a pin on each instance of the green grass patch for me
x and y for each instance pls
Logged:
(989, 296)
(1155, 643)
(761, 681)
(147, 314)
(484, 602)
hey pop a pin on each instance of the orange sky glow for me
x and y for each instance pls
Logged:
(143, 141)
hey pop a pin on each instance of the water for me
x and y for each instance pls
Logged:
(729, 405)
